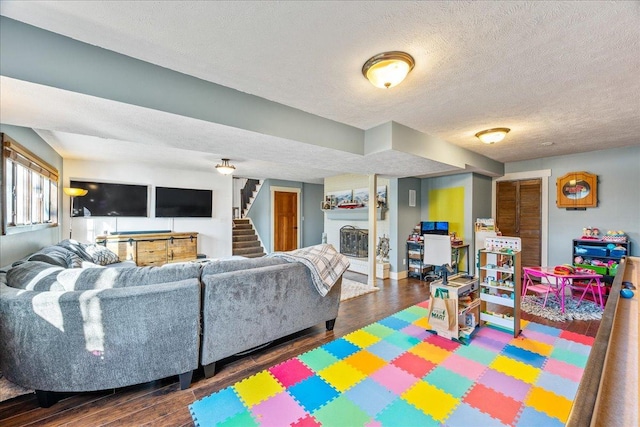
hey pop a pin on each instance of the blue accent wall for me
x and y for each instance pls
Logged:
(16, 246)
(312, 217)
(618, 208)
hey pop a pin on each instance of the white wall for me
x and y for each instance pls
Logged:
(215, 235)
(351, 182)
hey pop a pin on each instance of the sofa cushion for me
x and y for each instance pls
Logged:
(101, 255)
(228, 265)
(35, 276)
(106, 278)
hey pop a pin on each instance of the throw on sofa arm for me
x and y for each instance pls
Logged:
(73, 341)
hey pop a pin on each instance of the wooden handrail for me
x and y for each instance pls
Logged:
(583, 410)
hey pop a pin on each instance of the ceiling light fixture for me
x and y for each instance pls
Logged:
(388, 69)
(225, 168)
(491, 136)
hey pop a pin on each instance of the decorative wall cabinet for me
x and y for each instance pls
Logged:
(577, 190)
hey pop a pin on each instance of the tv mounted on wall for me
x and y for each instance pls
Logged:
(108, 199)
(183, 202)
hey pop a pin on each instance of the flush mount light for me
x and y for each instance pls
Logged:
(491, 136)
(388, 69)
(225, 168)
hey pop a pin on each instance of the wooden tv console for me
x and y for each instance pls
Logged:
(152, 248)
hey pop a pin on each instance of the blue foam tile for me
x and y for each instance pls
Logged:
(524, 356)
(370, 396)
(341, 348)
(216, 408)
(312, 393)
(557, 384)
(543, 329)
(532, 418)
(393, 323)
(466, 416)
(385, 350)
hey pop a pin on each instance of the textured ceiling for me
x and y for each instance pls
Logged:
(559, 72)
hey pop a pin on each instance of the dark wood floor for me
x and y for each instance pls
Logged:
(162, 403)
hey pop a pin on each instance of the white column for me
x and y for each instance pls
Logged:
(373, 222)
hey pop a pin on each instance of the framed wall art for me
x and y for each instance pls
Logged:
(577, 190)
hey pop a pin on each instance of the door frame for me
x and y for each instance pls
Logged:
(544, 175)
(273, 217)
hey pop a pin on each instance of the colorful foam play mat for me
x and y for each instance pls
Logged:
(395, 373)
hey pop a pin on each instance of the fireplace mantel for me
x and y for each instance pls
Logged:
(357, 214)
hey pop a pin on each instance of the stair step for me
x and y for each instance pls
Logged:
(241, 232)
(247, 251)
(241, 221)
(243, 227)
(256, 255)
(246, 238)
(248, 244)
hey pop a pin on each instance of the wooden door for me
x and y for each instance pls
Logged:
(285, 219)
(519, 214)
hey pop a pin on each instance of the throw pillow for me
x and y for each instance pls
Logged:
(76, 247)
(101, 255)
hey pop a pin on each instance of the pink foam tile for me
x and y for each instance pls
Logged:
(495, 335)
(565, 370)
(466, 367)
(443, 343)
(579, 338)
(416, 331)
(394, 379)
(308, 421)
(290, 372)
(540, 337)
(278, 410)
(373, 423)
(505, 384)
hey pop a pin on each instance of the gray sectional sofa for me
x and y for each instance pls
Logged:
(72, 326)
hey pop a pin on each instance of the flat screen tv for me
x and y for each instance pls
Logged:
(435, 227)
(183, 202)
(108, 199)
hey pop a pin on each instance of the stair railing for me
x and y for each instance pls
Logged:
(246, 193)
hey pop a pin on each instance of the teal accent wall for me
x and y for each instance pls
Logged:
(16, 246)
(618, 208)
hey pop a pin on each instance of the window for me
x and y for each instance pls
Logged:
(30, 190)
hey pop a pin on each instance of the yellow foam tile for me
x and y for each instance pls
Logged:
(430, 352)
(430, 400)
(257, 388)
(361, 338)
(365, 362)
(534, 346)
(550, 403)
(423, 323)
(341, 376)
(515, 369)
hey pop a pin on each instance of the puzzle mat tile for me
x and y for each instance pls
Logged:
(395, 373)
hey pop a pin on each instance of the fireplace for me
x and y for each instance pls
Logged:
(354, 242)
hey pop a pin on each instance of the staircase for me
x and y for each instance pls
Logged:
(245, 239)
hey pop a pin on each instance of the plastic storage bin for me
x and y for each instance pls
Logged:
(591, 250)
(597, 269)
(618, 253)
